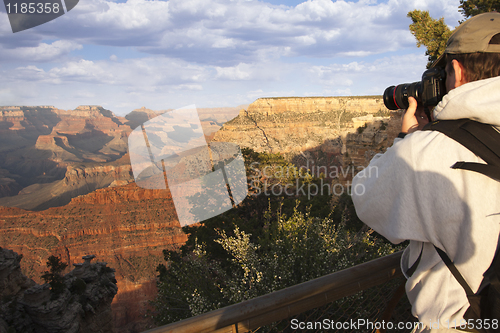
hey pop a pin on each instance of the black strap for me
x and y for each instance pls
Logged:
(413, 267)
(481, 139)
(486, 169)
(488, 136)
(449, 264)
(453, 269)
(494, 278)
(474, 310)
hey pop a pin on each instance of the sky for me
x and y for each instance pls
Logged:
(159, 54)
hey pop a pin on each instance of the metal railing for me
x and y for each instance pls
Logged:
(286, 303)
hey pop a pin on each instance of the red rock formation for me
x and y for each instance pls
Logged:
(49, 156)
(125, 226)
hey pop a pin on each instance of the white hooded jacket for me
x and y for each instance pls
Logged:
(411, 193)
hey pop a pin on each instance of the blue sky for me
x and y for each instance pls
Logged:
(168, 54)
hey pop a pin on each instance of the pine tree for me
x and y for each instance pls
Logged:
(470, 8)
(429, 32)
(433, 33)
(54, 275)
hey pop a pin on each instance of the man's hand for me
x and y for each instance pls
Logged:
(414, 118)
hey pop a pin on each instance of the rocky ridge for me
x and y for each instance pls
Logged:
(294, 124)
(79, 179)
(84, 304)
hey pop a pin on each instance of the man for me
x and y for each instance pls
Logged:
(415, 194)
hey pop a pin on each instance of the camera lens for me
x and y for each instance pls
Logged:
(396, 97)
(389, 101)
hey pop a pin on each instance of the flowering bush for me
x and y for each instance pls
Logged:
(289, 250)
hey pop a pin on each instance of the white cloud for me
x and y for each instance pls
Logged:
(213, 52)
(189, 87)
(162, 83)
(43, 52)
(240, 72)
(201, 31)
(224, 43)
(134, 73)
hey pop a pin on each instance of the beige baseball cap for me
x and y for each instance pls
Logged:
(480, 33)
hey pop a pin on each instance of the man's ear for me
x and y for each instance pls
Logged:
(459, 72)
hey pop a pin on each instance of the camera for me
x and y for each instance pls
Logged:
(427, 92)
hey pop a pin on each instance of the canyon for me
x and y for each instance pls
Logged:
(49, 155)
(125, 226)
(67, 189)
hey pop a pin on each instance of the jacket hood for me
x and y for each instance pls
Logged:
(478, 100)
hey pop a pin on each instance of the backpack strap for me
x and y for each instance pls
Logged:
(413, 267)
(453, 269)
(475, 307)
(484, 141)
(481, 139)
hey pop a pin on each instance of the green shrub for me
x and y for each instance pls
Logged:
(362, 128)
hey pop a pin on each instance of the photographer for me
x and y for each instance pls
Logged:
(415, 194)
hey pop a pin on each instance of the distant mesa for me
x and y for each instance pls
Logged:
(289, 125)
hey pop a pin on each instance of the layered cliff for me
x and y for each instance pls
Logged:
(291, 125)
(49, 155)
(125, 226)
(304, 105)
(336, 136)
(42, 146)
(82, 305)
(78, 179)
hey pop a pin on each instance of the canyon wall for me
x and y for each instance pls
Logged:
(125, 226)
(303, 105)
(336, 134)
(291, 125)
